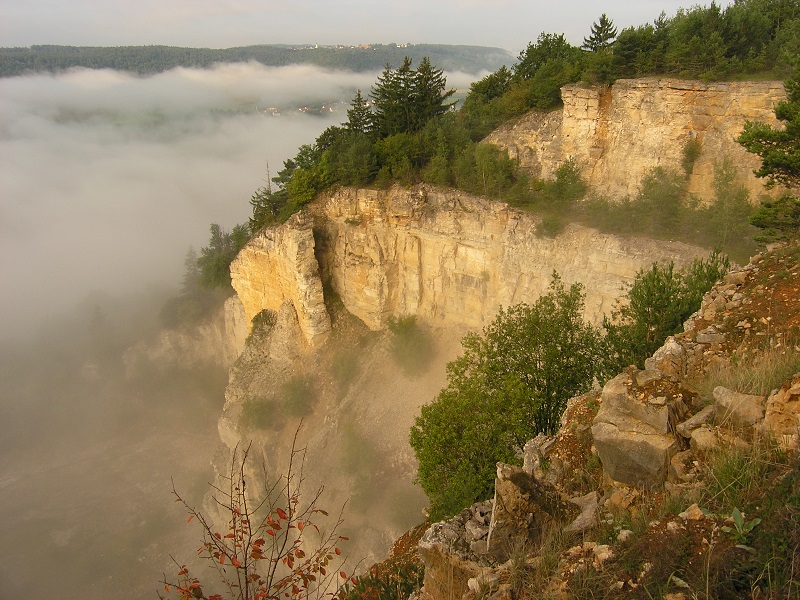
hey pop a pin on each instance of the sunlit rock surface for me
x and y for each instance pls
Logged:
(445, 256)
(617, 134)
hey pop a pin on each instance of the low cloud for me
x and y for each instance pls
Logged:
(109, 177)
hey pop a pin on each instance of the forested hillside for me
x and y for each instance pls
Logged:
(155, 59)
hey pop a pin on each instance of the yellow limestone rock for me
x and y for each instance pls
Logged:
(618, 134)
(447, 257)
(279, 265)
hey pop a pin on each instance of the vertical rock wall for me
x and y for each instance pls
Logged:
(619, 133)
(443, 255)
(279, 265)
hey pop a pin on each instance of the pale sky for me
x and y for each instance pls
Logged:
(508, 24)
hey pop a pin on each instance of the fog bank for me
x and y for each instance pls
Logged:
(108, 178)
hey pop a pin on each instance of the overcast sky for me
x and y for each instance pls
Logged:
(508, 24)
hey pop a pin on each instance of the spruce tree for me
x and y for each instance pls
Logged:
(359, 116)
(602, 34)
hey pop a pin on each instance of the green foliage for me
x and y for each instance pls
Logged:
(406, 99)
(691, 152)
(396, 583)
(511, 383)
(298, 395)
(260, 413)
(156, 59)
(216, 258)
(778, 219)
(656, 306)
(728, 217)
(779, 149)
(568, 186)
(741, 528)
(601, 36)
(359, 117)
(194, 302)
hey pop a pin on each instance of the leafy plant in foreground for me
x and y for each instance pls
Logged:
(273, 546)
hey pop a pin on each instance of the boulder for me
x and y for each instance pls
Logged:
(703, 441)
(634, 457)
(632, 430)
(448, 567)
(523, 507)
(588, 516)
(686, 428)
(782, 414)
(670, 359)
(736, 411)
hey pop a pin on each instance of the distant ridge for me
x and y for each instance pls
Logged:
(146, 60)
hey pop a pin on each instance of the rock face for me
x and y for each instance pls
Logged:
(619, 133)
(445, 256)
(278, 265)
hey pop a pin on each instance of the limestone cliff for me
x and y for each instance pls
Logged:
(619, 133)
(445, 256)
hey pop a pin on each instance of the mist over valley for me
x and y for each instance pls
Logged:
(108, 178)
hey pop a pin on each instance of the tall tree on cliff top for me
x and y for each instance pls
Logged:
(779, 150)
(405, 98)
(359, 117)
(602, 34)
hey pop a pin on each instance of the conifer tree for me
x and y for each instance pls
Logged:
(602, 34)
(779, 149)
(359, 116)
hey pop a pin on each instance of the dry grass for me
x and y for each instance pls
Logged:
(757, 372)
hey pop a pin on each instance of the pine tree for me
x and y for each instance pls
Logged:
(602, 34)
(359, 116)
(430, 93)
(779, 149)
(405, 98)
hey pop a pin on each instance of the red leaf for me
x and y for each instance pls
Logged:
(190, 518)
(341, 537)
(235, 562)
(218, 536)
(300, 525)
(228, 536)
(342, 574)
(270, 532)
(282, 514)
(222, 559)
(167, 588)
(338, 552)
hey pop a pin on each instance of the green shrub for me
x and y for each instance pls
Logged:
(691, 152)
(396, 583)
(657, 304)
(260, 413)
(511, 383)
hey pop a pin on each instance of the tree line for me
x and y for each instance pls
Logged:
(146, 60)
